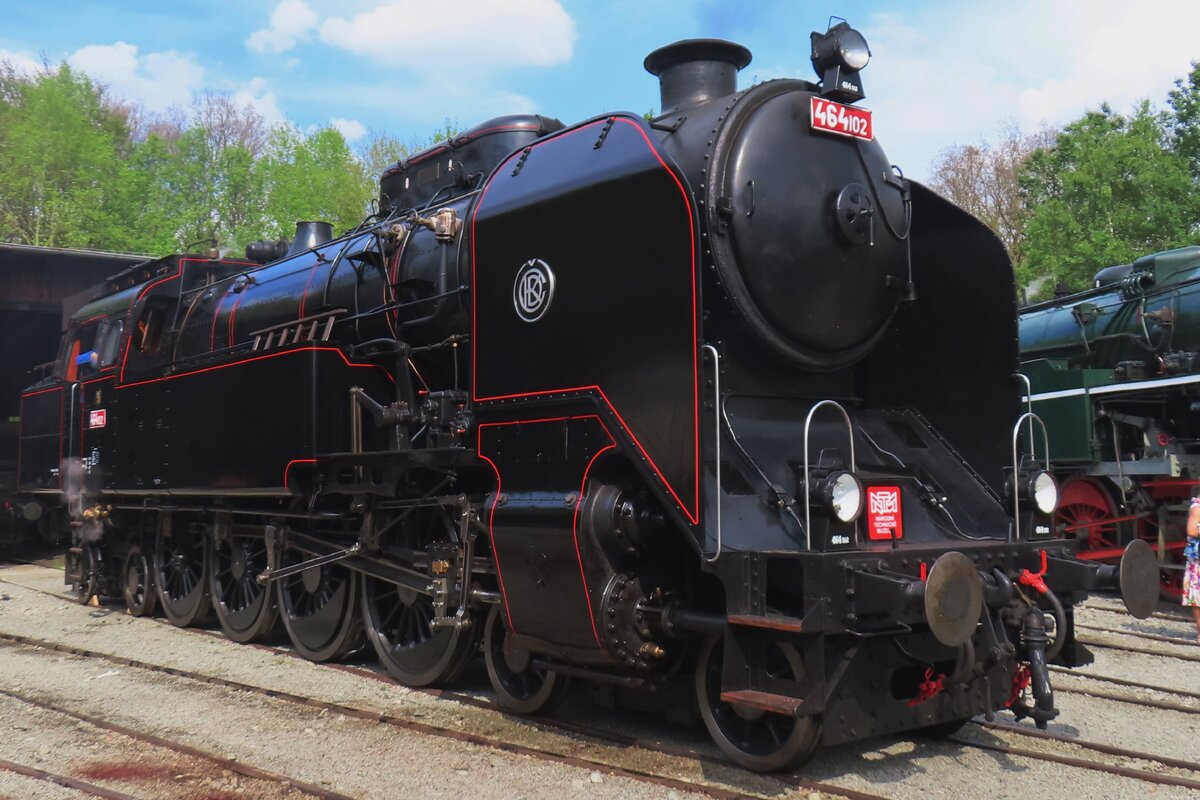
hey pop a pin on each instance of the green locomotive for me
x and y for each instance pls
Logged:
(1114, 372)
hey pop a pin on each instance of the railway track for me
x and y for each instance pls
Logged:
(1189, 781)
(90, 789)
(218, 761)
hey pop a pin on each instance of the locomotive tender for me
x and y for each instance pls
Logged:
(1114, 372)
(685, 400)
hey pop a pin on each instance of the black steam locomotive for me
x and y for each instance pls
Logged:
(719, 396)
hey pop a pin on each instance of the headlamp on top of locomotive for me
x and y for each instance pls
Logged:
(838, 55)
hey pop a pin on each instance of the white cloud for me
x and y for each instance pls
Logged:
(22, 62)
(483, 32)
(951, 76)
(291, 22)
(156, 80)
(350, 129)
(257, 95)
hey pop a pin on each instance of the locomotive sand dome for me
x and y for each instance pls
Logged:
(675, 405)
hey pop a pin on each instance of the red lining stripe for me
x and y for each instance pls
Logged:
(289, 466)
(263, 357)
(693, 513)
(587, 598)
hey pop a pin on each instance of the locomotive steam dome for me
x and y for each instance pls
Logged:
(807, 228)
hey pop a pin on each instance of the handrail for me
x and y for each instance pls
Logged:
(1023, 378)
(853, 464)
(1032, 417)
(716, 357)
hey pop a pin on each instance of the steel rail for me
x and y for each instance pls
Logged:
(230, 764)
(63, 780)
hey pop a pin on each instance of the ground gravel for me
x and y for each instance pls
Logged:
(371, 760)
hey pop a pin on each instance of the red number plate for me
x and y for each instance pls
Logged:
(837, 118)
(885, 519)
(98, 418)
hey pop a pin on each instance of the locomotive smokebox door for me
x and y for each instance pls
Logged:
(584, 260)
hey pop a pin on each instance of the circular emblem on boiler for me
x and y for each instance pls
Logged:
(533, 289)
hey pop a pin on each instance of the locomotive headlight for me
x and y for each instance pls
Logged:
(853, 49)
(837, 56)
(1044, 491)
(843, 494)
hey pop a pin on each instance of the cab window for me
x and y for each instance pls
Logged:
(147, 331)
(108, 341)
(80, 357)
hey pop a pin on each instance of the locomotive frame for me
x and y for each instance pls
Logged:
(505, 413)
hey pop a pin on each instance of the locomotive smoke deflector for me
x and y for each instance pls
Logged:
(695, 71)
(837, 56)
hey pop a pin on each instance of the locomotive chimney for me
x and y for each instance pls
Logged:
(695, 71)
(309, 235)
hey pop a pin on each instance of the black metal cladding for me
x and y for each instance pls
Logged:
(460, 164)
(621, 287)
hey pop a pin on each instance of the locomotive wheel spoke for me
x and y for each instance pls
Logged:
(412, 651)
(246, 610)
(181, 567)
(137, 584)
(755, 739)
(525, 691)
(1084, 508)
(399, 620)
(320, 609)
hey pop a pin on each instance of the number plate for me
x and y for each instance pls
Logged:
(843, 120)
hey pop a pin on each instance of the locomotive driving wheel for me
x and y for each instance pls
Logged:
(1084, 512)
(86, 564)
(137, 584)
(245, 608)
(181, 569)
(519, 686)
(319, 607)
(754, 739)
(399, 619)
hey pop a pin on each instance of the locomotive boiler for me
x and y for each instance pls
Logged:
(650, 403)
(1113, 371)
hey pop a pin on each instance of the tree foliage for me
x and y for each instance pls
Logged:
(984, 180)
(1109, 190)
(81, 169)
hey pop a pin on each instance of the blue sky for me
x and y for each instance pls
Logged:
(941, 73)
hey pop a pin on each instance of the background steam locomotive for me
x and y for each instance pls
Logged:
(636, 402)
(1114, 372)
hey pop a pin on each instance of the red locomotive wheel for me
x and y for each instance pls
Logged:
(1171, 580)
(1082, 513)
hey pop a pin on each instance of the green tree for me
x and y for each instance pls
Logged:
(1185, 103)
(311, 177)
(1108, 191)
(62, 150)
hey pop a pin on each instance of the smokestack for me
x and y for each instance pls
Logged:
(695, 71)
(309, 235)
